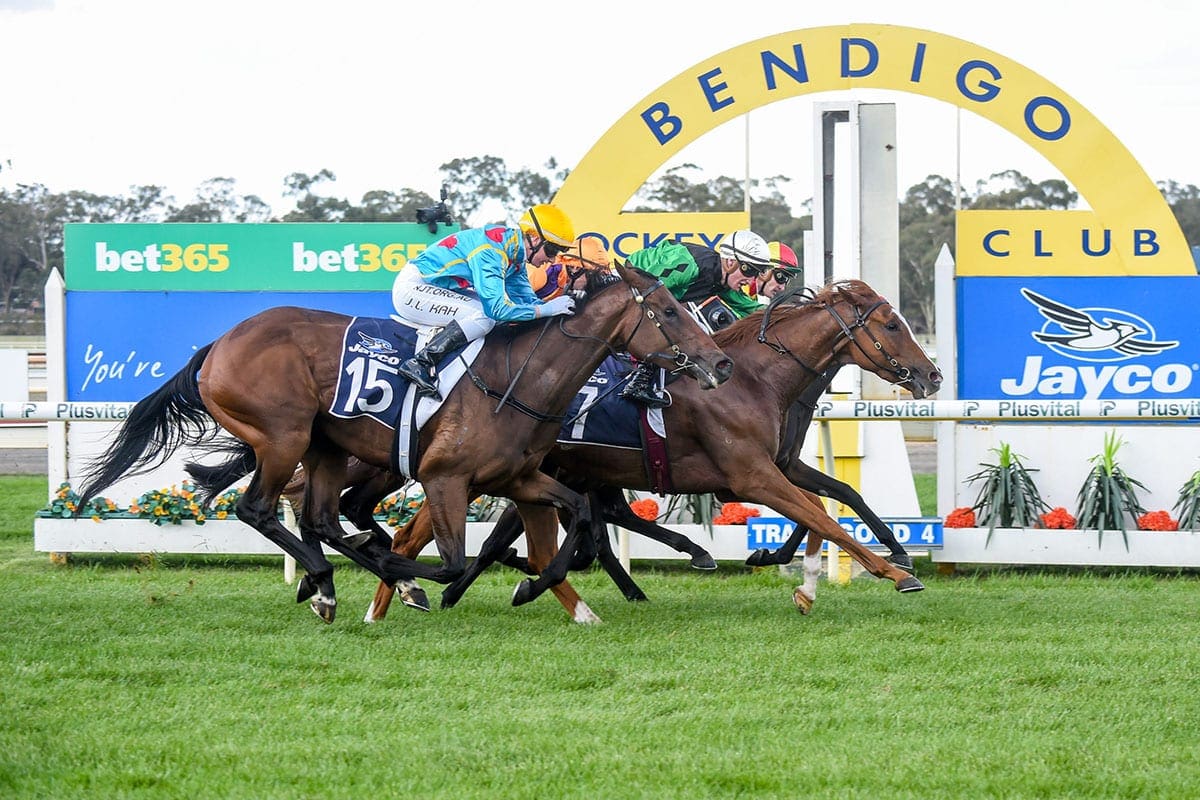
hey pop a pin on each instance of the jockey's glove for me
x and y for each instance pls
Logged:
(559, 305)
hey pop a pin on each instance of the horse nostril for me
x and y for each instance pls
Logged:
(724, 368)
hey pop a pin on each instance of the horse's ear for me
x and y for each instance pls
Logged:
(626, 271)
(855, 292)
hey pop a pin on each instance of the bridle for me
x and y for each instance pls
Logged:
(681, 360)
(901, 373)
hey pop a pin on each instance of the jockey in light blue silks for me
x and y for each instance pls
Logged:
(470, 280)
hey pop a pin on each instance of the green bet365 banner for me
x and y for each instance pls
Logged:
(219, 257)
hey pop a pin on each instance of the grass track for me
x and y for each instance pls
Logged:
(186, 677)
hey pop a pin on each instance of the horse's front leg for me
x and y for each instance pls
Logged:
(814, 480)
(446, 497)
(408, 541)
(506, 531)
(770, 487)
(541, 534)
(539, 489)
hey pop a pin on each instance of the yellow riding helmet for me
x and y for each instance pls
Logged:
(549, 222)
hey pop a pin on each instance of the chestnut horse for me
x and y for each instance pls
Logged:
(737, 442)
(270, 382)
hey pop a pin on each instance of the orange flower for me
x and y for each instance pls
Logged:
(1058, 518)
(646, 508)
(735, 514)
(963, 517)
(1157, 521)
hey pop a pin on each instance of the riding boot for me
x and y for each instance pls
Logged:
(421, 369)
(641, 388)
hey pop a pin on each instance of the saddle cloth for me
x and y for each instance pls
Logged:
(369, 383)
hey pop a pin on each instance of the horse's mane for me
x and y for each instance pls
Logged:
(792, 301)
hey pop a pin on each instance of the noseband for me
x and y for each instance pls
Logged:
(680, 359)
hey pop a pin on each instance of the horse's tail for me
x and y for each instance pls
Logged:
(156, 427)
(211, 480)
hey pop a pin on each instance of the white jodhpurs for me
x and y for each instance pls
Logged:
(426, 306)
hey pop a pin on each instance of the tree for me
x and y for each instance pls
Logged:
(926, 223)
(379, 205)
(1011, 189)
(311, 207)
(31, 220)
(470, 182)
(216, 202)
(1185, 203)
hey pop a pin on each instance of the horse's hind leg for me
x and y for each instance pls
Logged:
(367, 486)
(805, 594)
(618, 512)
(258, 509)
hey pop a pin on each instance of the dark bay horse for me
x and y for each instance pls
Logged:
(736, 442)
(270, 383)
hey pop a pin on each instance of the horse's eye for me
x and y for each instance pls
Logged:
(670, 312)
(893, 326)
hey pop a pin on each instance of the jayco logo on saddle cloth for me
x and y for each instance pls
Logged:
(369, 383)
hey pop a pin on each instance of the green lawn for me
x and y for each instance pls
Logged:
(186, 677)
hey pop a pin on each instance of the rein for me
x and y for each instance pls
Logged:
(681, 359)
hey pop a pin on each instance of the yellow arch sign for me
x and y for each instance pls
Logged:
(1128, 212)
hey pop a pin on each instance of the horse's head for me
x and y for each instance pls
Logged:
(661, 331)
(866, 330)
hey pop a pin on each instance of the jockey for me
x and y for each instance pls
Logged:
(551, 280)
(695, 273)
(473, 279)
(784, 267)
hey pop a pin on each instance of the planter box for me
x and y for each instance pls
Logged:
(136, 535)
(1070, 547)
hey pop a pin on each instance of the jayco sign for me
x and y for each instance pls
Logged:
(1076, 338)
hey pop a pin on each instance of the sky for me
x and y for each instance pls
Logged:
(119, 93)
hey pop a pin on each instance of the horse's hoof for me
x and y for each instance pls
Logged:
(901, 560)
(523, 593)
(415, 597)
(909, 584)
(704, 561)
(758, 558)
(356, 540)
(637, 597)
(803, 602)
(306, 588)
(324, 607)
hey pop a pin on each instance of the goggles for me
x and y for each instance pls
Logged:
(750, 270)
(782, 275)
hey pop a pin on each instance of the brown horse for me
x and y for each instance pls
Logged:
(270, 382)
(733, 442)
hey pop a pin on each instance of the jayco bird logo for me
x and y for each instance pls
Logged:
(1094, 334)
(375, 346)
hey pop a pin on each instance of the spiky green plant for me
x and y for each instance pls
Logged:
(1108, 493)
(1187, 507)
(1008, 498)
